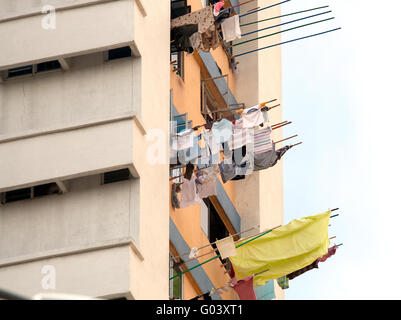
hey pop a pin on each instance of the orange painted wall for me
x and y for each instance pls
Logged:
(187, 99)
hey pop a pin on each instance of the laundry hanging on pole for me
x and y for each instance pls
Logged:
(284, 250)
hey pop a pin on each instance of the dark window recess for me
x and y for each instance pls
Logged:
(119, 53)
(115, 176)
(45, 189)
(20, 71)
(179, 8)
(217, 229)
(47, 66)
(16, 195)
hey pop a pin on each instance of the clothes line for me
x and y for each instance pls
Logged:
(282, 16)
(279, 32)
(273, 5)
(289, 41)
(288, 22)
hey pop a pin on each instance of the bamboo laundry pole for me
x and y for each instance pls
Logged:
(289, 41)
(208, 244)
(279, 32)
(286, 139)
(284, 23)
(284, 15)
(282, 125)
(273, 5)
(215, 257)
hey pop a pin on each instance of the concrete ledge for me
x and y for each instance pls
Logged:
(72, 126)
(82, 3)
(73, 250)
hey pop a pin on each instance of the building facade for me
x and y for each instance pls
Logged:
(89, 91)
(215, 80)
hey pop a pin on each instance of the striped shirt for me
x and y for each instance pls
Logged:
(261, 140)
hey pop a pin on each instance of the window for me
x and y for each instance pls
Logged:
(179, 8)
(177, 60)
(115, 176)
(48, 66)
(176, 284)
(33, 69)
(119, 53)
(20, 71)
(30, 193)
(216, 227)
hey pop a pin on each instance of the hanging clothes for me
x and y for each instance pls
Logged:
(203, 18)
(313, 265)
(241, 136)
(252, 117)
(189, 195)
(206, 179)
(223, 15)
(268, 159)
(217, 7)
(228, 171)
(174, 196)
(244, 289)
(189, 169)
(283, 282)
(226, 247)
(261, 140)
(222, 131)
(204, 41)
(265, 292)
(284, 250)
(331, 252)
(181, 37)
(190, 154)
(183, 140)
(231, 29)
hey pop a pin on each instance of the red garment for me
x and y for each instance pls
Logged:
(244, 289)
(331, 252)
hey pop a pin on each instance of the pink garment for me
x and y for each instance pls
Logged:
(244, 289)
(217, 8)
(331, 252)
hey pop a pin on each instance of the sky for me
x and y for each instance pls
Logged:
(341, 91)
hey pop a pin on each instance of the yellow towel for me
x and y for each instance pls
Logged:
(284, 250)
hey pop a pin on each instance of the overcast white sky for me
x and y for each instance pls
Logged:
(341, 90)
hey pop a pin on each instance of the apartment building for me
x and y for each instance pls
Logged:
(77, 100)
(87, 88)
(201, 83)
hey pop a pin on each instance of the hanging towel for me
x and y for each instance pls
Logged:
(265, 292)
(231, 29)
(222, 131)
(226, 247)
(244, 289)
(284, 250)
(183, 140)
(283, 282)
(261, 140)
(252, 117)
(189, 196)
